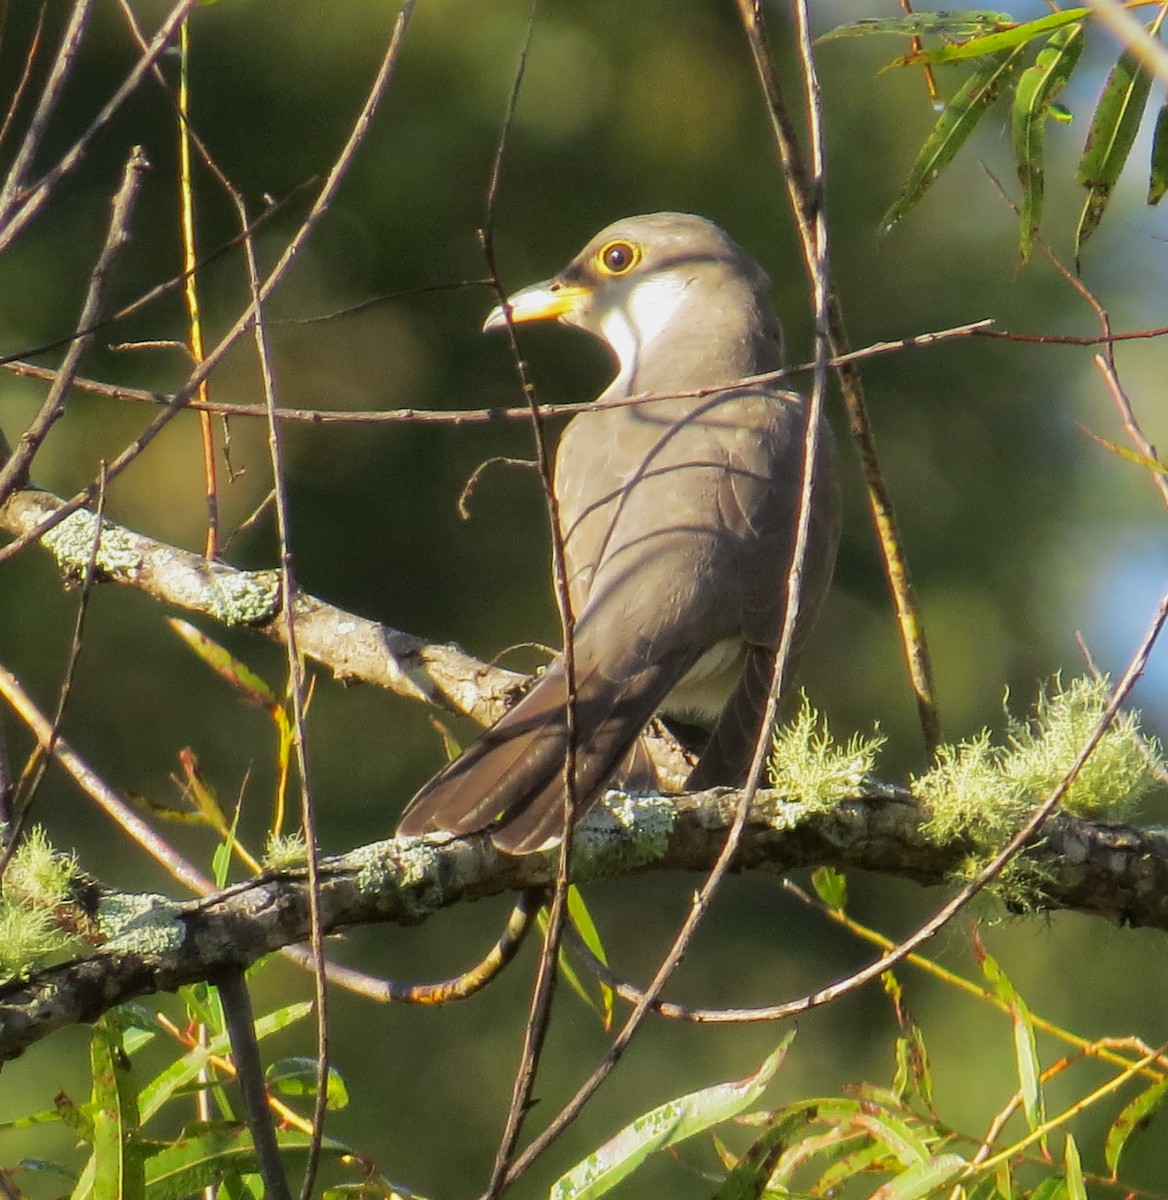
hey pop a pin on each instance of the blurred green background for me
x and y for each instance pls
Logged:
(1020, 530)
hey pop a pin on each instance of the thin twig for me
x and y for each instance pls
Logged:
(543, 990)
(469, 416)
(30, 201)
(296, 692)
(14, 472)
(47, 102)
(242, 324)
(22, 794)
(804, 204)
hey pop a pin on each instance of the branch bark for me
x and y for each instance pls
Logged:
(153, 944)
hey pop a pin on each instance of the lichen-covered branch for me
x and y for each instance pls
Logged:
(150, 944)
(353, 648)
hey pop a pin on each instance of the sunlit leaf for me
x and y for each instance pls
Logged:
(1158, 171)
(958, 120)
(831, 886)
(585, 926)
(661, 1127)
(116, 1167)
(224, 663)
(754, 1169)
(1134, 1116)
(956, 23)
(1013, 38)
(1110, 139)
(208, 1153)
(1054, 1187)
(1025, 1048)
(921, 1178)
(1076, 1188)
(1141, 460)
(900, 1140)
(296, 1076)
(155, 1093)
(1037, 87)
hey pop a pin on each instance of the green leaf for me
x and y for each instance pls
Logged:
(895, 1135)
(1037, 88)
(1076, 1188)
(116, 1167)
(582, 920)
(297, 1077)
(662, 1127)
(958, 23)
(1014, 38)
(224, 663)
(831, 886)
(1133, 1116)
(1054, 1187)
(953, 127)
(160, 1089)
(1110, 139)
(754, 1169)
(1158, 171)
(921, 1178)
(1025, 1049)
(210, 1152)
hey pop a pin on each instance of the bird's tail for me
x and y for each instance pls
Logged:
(512, 778)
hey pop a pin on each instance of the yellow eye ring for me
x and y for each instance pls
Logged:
(618, 257)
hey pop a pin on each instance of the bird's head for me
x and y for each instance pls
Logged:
(664, 283)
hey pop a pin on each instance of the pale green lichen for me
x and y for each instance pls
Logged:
(285, 850)
(244, 597)
(140, 923)
(652, 816)
(71, 544)
(984, 792)
(809, 768)
(36, 886)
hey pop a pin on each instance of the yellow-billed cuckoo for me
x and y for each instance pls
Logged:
(678, 520)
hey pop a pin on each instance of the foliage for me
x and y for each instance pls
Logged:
(37, 883)
(997, 46)
(122, 1127)
(808, 767)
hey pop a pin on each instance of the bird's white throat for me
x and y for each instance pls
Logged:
(638, 317)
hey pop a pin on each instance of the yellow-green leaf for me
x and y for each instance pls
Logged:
(831, 886)
(224, 663)
(1133, 1116)
(956, 23)
(953, 127)
(994, 43)
(1037, 88)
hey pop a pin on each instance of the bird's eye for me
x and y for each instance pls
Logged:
(618, 257)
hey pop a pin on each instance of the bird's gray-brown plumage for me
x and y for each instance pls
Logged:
(678, 520)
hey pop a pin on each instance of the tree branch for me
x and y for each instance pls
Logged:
(152, 944)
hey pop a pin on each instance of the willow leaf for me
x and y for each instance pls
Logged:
(1037, 88)
(955, 23)
(953, 127)
(994, 43)
(1158, 174)
(1110, 139)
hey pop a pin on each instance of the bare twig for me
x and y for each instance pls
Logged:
(243, 323)
(804, 204)
(474, 416)
(14, 471)
(24, 204)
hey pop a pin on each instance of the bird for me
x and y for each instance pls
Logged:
(677, 521)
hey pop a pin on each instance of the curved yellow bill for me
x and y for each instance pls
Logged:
(540, 302)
